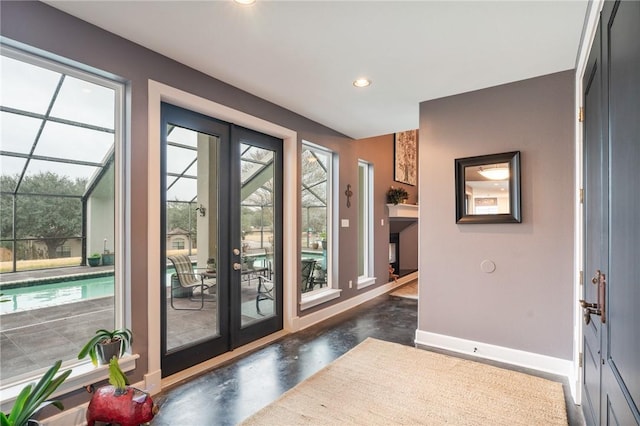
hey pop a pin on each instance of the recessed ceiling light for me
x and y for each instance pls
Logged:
(245, 2)
(362, 82)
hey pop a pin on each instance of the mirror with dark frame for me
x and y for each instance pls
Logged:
(488, 188)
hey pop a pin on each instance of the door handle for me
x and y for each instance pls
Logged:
(596, 308)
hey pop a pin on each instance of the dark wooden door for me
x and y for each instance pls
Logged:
(612, 213)
(620, 399)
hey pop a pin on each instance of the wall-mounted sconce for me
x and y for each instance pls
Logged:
(202, 210)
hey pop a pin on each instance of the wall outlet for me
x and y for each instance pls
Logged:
(350, 283)
(381, 222)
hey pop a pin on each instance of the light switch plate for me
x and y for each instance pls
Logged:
(344, 223)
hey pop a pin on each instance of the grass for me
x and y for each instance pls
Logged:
(30, 265)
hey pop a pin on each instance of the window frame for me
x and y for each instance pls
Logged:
(84, 371)
(366, 240)
(331, 290)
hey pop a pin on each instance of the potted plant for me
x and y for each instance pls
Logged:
(33, 398)
(211, 264)
(106, 344)
(108, 258)
(120, 403)
(323, 239)
(397, 195)
(94, 259)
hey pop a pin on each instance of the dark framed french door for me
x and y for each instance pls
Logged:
(221, 245)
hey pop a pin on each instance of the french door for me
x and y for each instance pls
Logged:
(611, 288)
(221, 237)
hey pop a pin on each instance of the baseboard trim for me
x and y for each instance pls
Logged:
(517, 357)
(300, 323)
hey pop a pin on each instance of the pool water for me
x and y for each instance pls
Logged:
(40, 296)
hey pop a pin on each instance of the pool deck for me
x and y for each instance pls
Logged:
(32, 340)
(41, 276)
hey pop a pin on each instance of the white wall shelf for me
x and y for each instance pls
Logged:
(403, 211)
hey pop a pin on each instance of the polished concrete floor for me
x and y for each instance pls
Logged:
(231, 393)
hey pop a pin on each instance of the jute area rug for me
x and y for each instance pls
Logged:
(382, 383)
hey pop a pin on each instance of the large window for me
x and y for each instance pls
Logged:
(60, 174)
(316, 218)
(365, 225)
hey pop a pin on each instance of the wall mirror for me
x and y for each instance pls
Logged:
(488, 188)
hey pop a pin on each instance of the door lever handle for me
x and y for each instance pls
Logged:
(600, 280)
(587, 305)
(589, 309)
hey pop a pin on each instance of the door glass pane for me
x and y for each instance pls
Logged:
(192, 237)
(257, 200)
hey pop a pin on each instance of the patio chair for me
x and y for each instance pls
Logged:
(185, 280)
(307, 282)
(265, 286)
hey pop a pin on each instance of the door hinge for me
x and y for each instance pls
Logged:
(580, 360)
(581, 114)
(581, 195)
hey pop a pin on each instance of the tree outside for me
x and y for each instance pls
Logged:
(48, 210)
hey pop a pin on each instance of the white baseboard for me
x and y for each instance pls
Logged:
(75, 416)
(306, 321)
(562, 367)
(152, 382)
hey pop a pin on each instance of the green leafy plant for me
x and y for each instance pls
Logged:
(396, 195)
(33, 398)
(103, 337)
(95, 256)
(116, 377)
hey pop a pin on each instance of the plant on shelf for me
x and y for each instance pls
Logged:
(94, 259)
(397, 195)
(106, 344)
(33, 398)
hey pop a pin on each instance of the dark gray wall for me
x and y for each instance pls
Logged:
(527, 303)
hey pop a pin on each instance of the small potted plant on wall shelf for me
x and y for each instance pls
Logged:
(397, 195)
(106, 344)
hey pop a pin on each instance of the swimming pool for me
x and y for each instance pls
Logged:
(68, 291)
(40, 296)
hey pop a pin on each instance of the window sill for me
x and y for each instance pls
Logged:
(364, 282)
(83, 374)
(319, 297)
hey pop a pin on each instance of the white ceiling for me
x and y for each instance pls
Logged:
(304, 55)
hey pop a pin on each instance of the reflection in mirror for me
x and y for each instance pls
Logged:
(488, 188)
